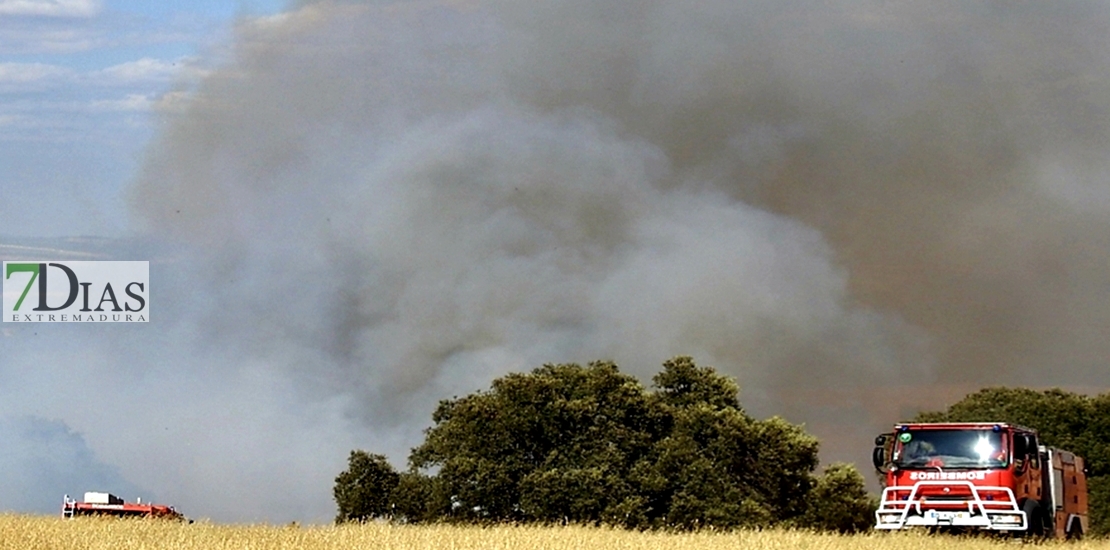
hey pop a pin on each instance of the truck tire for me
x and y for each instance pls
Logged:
(1034, 520)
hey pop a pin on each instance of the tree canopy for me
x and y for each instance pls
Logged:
(362, 491)
(591, 445)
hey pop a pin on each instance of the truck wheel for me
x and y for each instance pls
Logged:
(1034, 528)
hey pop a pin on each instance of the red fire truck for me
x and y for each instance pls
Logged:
(107, 504)
(979, 476)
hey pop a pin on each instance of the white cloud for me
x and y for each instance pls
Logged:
(149, 69)
(50, 8)
(273, 21)
(141, 77)
(28, 73)
(53, 37)
(143, 69)
(133, 102)
(173, 102)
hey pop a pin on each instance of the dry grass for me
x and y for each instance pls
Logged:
(38, 532)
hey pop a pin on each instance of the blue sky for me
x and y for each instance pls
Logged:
(80, 81)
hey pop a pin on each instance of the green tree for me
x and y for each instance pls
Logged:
(700, 473)
(363, 490)
(839, 502)
(503, 453)
(417, 498)
(1060, 417)
(682, 383)
(715, 464)
(567, 443)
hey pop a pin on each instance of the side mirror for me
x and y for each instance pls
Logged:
(878, 458)
(880, 455)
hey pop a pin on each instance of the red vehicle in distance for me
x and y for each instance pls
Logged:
(107, 504)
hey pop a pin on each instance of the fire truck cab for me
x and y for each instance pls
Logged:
(979, 476)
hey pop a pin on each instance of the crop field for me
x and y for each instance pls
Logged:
(40, 532)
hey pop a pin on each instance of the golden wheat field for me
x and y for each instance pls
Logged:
(40, 532)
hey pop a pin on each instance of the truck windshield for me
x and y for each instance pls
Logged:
(950, 449)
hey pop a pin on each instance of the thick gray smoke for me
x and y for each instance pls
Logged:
(50, 462)
(378, 205)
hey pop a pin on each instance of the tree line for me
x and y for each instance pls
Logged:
(591, 445)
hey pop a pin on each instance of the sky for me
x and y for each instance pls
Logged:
(353, 210)
(80, 81)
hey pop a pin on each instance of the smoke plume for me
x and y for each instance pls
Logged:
(373, 206)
